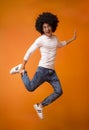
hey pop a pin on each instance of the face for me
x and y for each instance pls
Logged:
(47, 29)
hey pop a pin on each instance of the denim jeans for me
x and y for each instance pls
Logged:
(44, 75)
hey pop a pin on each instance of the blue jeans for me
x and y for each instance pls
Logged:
(43, 74)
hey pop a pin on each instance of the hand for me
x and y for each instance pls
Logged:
(72, 39)
(21, 71)
(22, 67)
(74, 36)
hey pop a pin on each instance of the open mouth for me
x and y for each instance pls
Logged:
(48, 32)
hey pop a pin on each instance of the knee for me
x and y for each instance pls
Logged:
(59, 93)
(30, 89)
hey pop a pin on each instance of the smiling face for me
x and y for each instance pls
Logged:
(47, 29)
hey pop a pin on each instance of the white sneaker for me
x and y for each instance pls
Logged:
(39, 111)
(15, 69)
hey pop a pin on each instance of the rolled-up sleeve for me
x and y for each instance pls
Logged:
(62, 43)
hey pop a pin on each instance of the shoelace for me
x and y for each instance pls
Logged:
(16, 68)
(40, 111)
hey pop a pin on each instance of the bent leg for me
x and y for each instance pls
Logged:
(37, 80)
(26, 81)
(54, 81)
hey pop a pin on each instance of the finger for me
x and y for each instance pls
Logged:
(75, 32)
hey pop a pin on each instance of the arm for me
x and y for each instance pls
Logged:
(63, 43)
(33, 47)
(71, 39)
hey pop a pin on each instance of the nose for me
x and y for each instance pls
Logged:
(47, 28)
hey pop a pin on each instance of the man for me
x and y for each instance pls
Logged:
(46, 24)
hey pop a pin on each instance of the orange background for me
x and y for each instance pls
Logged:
(17, 33)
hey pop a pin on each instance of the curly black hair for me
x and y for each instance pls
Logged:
(46, 17)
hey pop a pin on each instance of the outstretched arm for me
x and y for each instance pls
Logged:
(66, 42)
(71, 39)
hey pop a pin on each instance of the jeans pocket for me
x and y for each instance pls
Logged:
(51, 72)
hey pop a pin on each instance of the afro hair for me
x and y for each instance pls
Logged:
(46, 17)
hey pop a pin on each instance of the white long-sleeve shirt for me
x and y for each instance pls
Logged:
(48, 48)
